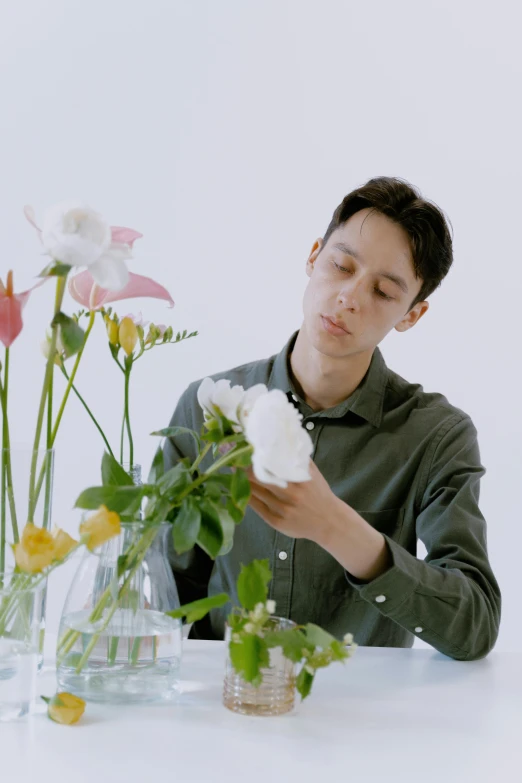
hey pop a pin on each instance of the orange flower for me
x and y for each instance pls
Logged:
(65, 708)
(100, 527)
(63, 544)
(35, 550)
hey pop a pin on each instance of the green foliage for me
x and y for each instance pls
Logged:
(198, 609)
(71, 335)
(115, 498)
(252, 583)
(113, 474)
(248, 656)
(187, 525)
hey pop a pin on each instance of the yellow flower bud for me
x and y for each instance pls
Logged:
(63, 543)
(112, 330)
(35, 550)
(128, 335)
(100, 527)
(65, 708)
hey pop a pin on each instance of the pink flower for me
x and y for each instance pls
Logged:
(83, 289)
(11, 306)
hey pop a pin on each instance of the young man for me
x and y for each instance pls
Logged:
(391, 463)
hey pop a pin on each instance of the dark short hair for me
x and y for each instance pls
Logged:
(424, 223)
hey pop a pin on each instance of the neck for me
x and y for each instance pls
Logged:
(325, 381)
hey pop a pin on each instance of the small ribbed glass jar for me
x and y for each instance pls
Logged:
(276, 694)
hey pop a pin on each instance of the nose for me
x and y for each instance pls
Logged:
(349, 297)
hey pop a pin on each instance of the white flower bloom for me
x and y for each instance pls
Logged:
(270, 606)
(282, 448)
(249, 398)
(258, 612)
(77, 235)
(249, 628)
(218, 397)
(348, 638)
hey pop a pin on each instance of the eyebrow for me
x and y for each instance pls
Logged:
(349, 251)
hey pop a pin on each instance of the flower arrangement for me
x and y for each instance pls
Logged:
(253, 427)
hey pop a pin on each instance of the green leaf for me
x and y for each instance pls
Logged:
(171, 432)
(318, 637)
(252, 583)
(292, 642)
(177, 478)
(304, 682)
(117, 499)
(186, 526)
(55, 269)
(211, 536)
(249, 656)
(236, 513)
(198, 609)
(113, 474)
(157, 468)
(240, 490)
(71, 335)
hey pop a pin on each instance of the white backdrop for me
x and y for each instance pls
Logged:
(227, 132)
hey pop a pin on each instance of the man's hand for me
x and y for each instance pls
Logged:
(302, 510)
(310, 509)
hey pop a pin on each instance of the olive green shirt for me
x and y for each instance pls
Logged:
(408, 462)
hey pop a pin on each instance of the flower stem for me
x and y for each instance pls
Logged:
(141, 550)
(128, 370)
(90, 413)
(220, 463)
(51, 440)
(79, 355)
(7, 473)
(49, 368)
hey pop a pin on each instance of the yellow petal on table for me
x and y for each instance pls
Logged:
(63, 543)
(100, 527)
(65, 708)
(35, 550)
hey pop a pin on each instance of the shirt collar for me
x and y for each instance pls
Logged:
(366, 401)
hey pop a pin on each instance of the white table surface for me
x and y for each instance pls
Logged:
(387, 714)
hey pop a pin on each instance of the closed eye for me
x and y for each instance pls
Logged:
(376, 290)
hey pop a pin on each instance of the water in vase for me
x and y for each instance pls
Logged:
(136, 657)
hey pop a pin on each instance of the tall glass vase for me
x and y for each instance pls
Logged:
(21, 607)
(26, 494)
(115, 642)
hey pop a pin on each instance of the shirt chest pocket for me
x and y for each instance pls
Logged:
(329, 575)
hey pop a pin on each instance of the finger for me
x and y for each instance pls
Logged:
(268, 500)
(264, 512)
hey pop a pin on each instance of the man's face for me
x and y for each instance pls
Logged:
(349, 283)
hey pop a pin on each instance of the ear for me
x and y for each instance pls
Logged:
(411, 318)
(316, 249)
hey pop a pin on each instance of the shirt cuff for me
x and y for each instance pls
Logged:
(389, 590)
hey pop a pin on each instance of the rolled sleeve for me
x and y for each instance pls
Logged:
(451, 599)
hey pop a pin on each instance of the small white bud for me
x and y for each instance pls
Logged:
(348, 638)
(270, 606)
(249, 628)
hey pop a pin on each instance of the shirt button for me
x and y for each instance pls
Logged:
(309, 425)
(294, 398)
(419, 629)
(380, 599)
(283, 555)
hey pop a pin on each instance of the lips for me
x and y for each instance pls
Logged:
(336, 323)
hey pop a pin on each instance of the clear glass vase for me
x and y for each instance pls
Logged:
(26, 494)
(276, 694)
(115, 644)
(21, 613)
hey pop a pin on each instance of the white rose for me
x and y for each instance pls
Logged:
(249, 398)
(219, 398)
(282, 448)
(75, 234)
